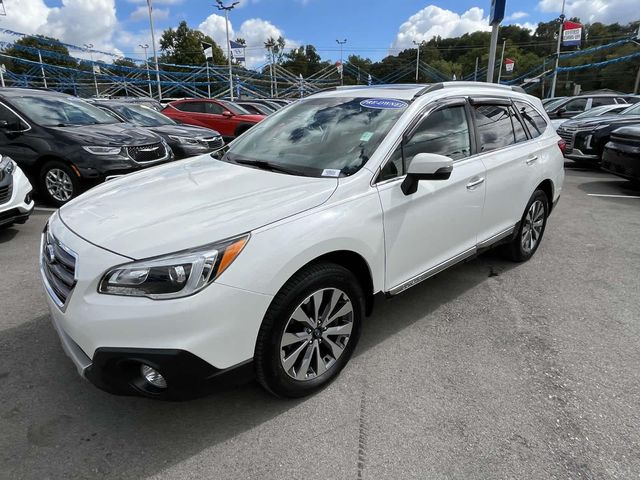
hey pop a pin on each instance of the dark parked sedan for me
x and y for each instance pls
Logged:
(66, 145)
(622, 154)
(184, 140)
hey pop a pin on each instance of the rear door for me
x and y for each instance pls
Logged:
(510, 157)
(190, 112)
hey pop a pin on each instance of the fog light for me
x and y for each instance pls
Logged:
(27, 199)
(153, 376)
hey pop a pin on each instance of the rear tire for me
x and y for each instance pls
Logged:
(58, 183)
(532, 226)
(310, 330)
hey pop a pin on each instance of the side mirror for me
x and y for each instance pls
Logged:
(4, 124)
(561, 111)
(8, 126)
(426, 166)
(227, 114)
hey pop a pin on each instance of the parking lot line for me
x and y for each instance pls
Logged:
(611, 196)
(44, 209)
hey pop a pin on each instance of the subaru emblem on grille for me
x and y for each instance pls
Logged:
(51, 254)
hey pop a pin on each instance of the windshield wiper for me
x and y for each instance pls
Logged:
(272, 167)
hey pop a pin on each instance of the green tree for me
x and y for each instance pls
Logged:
(30, 45)
(183, 46)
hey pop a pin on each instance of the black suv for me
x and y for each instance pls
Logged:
(586, 137)
(184, 140)
(66, 145)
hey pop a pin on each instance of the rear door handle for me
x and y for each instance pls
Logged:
(531, 160)
(474, 183)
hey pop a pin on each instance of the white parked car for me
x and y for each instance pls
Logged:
(267, 257)
(16, 202)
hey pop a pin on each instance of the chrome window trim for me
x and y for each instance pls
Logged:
(19, 116)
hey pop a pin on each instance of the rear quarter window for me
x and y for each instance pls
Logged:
(534, 121)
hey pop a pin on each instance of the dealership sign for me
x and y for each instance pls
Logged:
(509, 64)
(571, 33)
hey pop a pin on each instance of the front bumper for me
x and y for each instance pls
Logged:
(622, 160)
(198, 341)
(19, 206)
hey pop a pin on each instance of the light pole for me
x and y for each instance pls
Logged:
(341, 43)
(226, 10)
(88, 47)
(504, 44)
(555, 70)
(418, 44)
(153, 46)
(146, 63)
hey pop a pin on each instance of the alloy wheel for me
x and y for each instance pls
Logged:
(316, 335)
(59, 184)
(533, 225)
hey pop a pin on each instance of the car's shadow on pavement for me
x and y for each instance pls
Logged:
(56, 425)
(7, 234)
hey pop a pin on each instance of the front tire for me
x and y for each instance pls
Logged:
(58, 183)
(310, 330)
(532, 226)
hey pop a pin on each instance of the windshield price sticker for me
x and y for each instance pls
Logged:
(330, 172)
(384, 104)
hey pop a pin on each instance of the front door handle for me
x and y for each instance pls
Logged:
(474, 183)
(531, 160)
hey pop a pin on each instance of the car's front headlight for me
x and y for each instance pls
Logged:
(185, 140)
(173, 276)
(104, 150)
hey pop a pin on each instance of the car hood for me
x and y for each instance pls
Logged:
(187, 204)
(109, 135)
(602, 120)
(184, 131)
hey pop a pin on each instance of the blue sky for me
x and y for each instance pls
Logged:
(373, 28)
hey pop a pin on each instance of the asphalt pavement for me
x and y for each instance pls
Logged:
(489, 370)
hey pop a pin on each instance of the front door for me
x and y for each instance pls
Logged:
(439, 222)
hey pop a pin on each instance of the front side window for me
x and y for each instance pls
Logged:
(498, 127)
(330, 137)
(445, 132)
(61, 111)
(534, 121)
(8, 116)
(213, 108)
(577, 105)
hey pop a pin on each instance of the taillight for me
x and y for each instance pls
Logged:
(562, 145)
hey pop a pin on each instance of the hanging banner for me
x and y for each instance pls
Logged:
(571, 33)
(207, 48)
(509, 64)
(96, 69)
(237, 51)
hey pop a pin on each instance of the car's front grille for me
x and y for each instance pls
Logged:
(5, 193)
(58, 264)
(568, 136)
(147, 153)
(214, 142)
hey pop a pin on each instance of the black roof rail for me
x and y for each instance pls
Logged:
(430, 88)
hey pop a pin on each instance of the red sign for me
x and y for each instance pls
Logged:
(509, 64)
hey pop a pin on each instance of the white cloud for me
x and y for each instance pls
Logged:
(142, 13)
(517, 16)
(432, 21)
(605, 11)
(255, 31)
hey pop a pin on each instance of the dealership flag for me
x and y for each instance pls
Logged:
(509, 64)
(571, 33)
(208, 50)
(237, 51)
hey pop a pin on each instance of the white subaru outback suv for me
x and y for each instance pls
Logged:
(264, 258)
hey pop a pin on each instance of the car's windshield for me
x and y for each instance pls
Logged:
(553, 104)
(142, 115)
(234, 108)
(51, 111)
(632, 110)
(320, 137)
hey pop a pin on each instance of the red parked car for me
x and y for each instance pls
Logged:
(227, 118)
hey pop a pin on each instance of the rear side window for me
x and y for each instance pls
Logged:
(534, 121)
(498, 127)
(599, 101)
(577, 105)
(196, 107)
